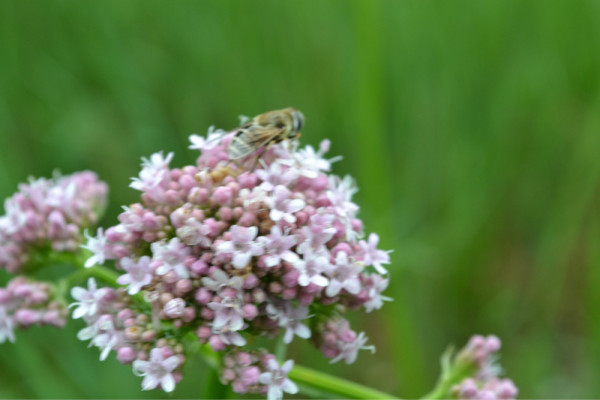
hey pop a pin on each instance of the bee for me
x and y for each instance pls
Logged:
(264, 130)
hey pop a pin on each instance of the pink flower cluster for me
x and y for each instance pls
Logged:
(24, 303)
(49, 215)
(485, 383)
(257, 372)
(116, 323)
(231, 252)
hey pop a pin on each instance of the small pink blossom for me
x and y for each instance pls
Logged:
(158, 371)
(138, 274)
(283, 205)
(277, 247)
(88, 301)
(349, 351)
(372, 256)
(172, 257)
(242, 246)
(276, 380)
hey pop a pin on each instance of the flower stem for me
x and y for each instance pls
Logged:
(453, 375)
(333, 385)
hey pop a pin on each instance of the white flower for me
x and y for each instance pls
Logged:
(340, 195)
(277, 247)
(317, 234)
(229, 337)
(311, 267)
(277, 381)
(154, 173)
(172, 255)
(14, 219)
(289, 318)
(349, 351)
(6, 326)
(211, 141)
(375, 286)
(157, 371)
(372, 256)
(229, 314)
(242, 246)
(89, 301)
(344, 275)
(106, 336)
(309, 163)
(194, 232)
(283, 205)
(274, 175)
(98, 246)
(138, 274)
(219, 280)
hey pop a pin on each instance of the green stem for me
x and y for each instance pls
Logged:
(106, 274)
(454, 375)
(334, 385)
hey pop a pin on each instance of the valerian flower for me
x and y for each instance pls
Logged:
(158, 371)
(228, 251)
(88, 301)
(276, 380)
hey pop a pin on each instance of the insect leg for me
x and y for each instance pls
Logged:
(258, 158)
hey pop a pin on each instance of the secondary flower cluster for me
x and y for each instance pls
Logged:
(229, 251)
(24, 303)
(49, 215)
(485, 383)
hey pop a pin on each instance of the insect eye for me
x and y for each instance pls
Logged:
(239, 133)
(280, 125)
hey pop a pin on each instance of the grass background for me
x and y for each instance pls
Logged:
(472, 128)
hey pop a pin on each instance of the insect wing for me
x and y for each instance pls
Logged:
(248, 140)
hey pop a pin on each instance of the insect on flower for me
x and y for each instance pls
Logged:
(264, 130)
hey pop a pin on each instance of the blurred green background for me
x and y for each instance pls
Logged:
(472, 128)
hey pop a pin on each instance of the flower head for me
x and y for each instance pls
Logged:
(229, 251)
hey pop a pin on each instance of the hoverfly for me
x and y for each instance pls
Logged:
(264, 130)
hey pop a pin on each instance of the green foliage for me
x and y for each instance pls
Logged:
(472, 128)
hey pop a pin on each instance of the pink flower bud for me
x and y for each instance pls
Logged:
(126, 355)
(183, 286)
(225, 213)
(148, 336)
(228, 375)
(174, 308)
(216, 343)
(125, 314)
(250, 311)
(5, 296)
(247, 180)
(251, 282)
(222, 195)
(27, 317)
(250, 375)
(243, 359)
(290, 279)
(247, 219)
(189, 313)
(238, 387)
(203, 332)
(187, 182)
